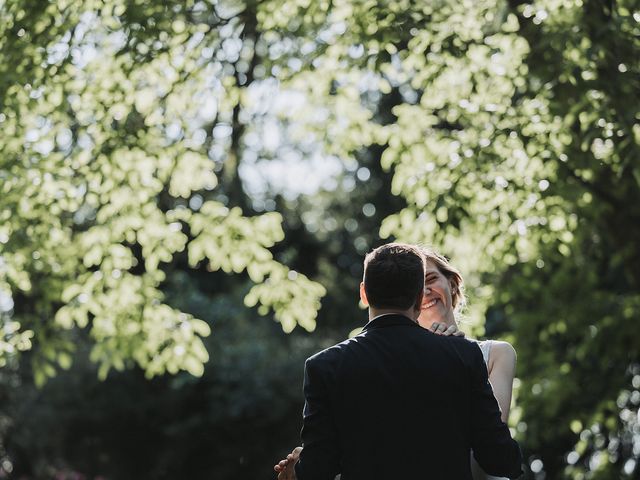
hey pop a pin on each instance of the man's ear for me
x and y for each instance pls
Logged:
(363, 295)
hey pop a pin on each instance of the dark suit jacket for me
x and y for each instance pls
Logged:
(399, 402)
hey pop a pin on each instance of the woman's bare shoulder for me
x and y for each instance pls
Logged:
(502, 352)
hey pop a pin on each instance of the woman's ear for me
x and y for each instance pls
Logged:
(455, 293)
(363, 295)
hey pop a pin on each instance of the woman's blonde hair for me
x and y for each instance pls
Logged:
(458, 298)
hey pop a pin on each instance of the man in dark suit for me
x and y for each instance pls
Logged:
(397, 401)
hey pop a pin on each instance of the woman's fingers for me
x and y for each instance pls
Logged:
(451, 330)
(285, 467)
(446, 330)
(282, 464)
(438, 328)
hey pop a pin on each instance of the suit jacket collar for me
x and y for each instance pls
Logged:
(389, 320)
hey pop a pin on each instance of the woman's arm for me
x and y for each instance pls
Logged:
(502, 370)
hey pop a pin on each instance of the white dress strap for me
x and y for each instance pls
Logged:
(485, 347)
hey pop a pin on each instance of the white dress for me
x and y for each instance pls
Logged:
(478, 474)
(485, 348)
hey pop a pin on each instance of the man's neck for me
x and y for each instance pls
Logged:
(410, 312)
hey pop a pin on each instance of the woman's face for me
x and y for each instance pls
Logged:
(437, 303)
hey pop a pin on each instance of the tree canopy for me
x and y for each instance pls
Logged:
(108, 176)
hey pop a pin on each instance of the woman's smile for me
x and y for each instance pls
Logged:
(431, 303)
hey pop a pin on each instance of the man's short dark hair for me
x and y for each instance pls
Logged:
(394, 276)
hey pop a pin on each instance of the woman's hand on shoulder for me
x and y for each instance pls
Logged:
(446, 330)
(285, 467)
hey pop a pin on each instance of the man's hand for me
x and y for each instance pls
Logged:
(285, 468)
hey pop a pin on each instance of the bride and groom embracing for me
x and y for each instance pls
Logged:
(398, 401)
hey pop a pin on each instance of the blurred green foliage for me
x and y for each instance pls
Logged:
(107, 178)
(504, 133)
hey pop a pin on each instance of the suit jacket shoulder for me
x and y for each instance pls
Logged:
(329, 355)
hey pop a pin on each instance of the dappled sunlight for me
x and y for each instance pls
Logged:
(187, 191)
